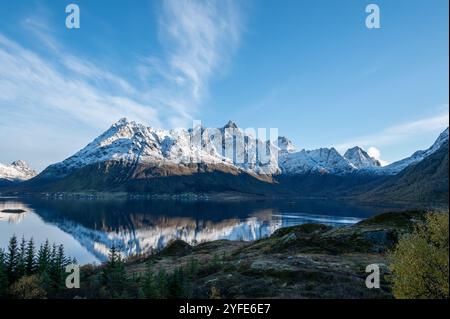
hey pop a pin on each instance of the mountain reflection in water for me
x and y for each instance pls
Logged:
(88, 228)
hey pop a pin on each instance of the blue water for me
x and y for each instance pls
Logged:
(88, 228)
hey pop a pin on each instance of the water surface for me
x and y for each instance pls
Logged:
(88, 228)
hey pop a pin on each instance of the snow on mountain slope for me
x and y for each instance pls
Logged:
(285, 145)
(327, 160)
(360, 159)
(134, 143)
(323, 160)
(418, 156)
(17, 171)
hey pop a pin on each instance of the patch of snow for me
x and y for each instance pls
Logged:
(16, 171)
(418, 156)
(135, 143)
(360, 159)
(323, 160)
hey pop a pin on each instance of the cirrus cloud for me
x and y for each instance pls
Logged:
(65, 97)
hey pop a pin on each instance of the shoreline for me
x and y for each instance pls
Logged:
(223, 197)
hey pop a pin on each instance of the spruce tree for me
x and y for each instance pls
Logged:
(43, 258)
(61, 257)
(22, 255)
(30, 261)
(114, 275)
(12, 259)
(3, 275)
(113, 257)
(53, 267)
(43, 265)
(58, 266)
(53, 253)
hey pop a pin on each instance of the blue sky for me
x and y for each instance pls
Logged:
(309, 68)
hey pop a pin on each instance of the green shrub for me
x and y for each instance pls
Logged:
(28, 287)
(419, 262)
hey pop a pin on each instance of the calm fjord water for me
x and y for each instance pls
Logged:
(88, 228)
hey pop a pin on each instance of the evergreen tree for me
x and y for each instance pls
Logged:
(59, 262)
(22, 256)
(61, 257)
(20, 263)
(43, 258)
(53, 253)
(12, 259)
(114, 275)
(3, 275)
(30, 261)
(53, 267)
(45, 280)
(113, 257)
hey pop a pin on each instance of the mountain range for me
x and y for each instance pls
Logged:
(15, 172)
(130, 157)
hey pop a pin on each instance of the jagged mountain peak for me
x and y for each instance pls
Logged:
(16, 171)
(230, 124)
(285, 144)
(21, 164)
(322, 160)
(121, 122)
(132, 143)
(360, 158)
(355, 149)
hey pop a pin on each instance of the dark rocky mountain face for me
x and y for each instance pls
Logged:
(426, 181)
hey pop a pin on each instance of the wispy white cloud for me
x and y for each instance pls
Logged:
(376, 154)
(47, 86)
(198, 38)
(400, 133)
(32, 83)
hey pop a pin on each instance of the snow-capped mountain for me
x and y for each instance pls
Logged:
(135, 143)
(230, 146)
(360, 159)
(355, 160)
(16, 171)
(418, 156)
(132, 143)
(323, 160)
(285, 145)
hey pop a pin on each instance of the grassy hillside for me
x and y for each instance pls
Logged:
(306, 261)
